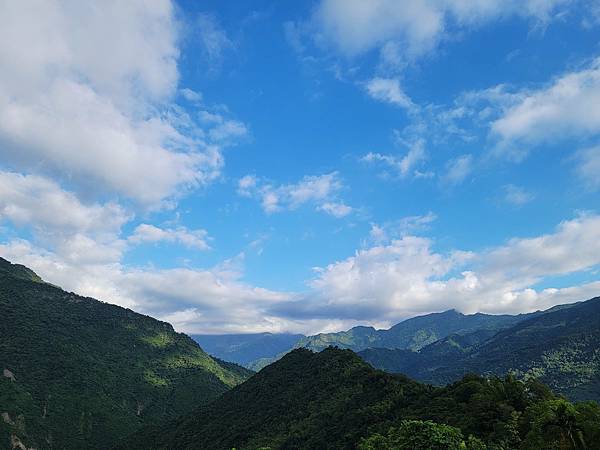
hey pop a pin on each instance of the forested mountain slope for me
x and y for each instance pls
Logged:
(412, 334)
(560, 347)
(77, 373)
(334, 400)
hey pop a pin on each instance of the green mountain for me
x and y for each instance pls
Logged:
(411, 334)
(560, 347)
(244, 349)
(76, 373)
(334, 400)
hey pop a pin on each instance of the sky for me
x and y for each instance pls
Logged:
(283, 166)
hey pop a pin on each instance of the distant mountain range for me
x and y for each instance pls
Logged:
(76, 373)
(334, 400)
(411, 334)
(560, 347)
(255, 351)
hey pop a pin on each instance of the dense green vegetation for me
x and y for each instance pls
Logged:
(77, 373)
(334, 400)
(421, 435)
(559, 347)
(245, 349)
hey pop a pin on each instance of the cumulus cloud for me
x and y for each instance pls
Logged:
(38, 201)
(58, 219)
(147, 233)
(319, 190)
(354, 27)
(91, 99)
(407, 276)
(567, 107)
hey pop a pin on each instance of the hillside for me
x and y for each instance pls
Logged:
(245, 348)
(560, 347)
(334, 400)
(79, 373)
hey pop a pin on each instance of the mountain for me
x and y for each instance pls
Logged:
(334, 400)
(559, 347)
(256, 351)
(413, 333)
(246, 348)
(77, 373)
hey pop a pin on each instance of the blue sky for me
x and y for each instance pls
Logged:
(304, 166)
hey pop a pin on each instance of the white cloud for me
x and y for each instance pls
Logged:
(246, 184)
(354, 27)
(411, 224)
(382, 284)
(90, 99)
(458, 169)
(147, 233)
(213, 39)
(407, 277)
(319, 190)
(567, 107)
(571, 248)
(403, 166)
(388, 90)
(335, 209)
(516, 195)
(81, 247)
(191, 95)
(385, 232)
(80, 233)
(588, 167)
(40, 202)
(211, 300)
(228, 130)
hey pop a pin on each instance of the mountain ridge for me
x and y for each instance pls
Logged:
(559, 346)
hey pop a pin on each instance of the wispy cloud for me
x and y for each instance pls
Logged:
(388, 90)
(588, 167)
(402, 166)
(322, 191)
(458, 169)
(516, 195)
(147, 233)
